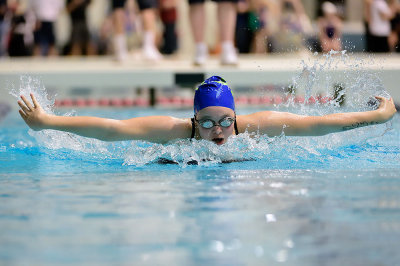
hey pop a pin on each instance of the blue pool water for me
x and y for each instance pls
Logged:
(297, 201)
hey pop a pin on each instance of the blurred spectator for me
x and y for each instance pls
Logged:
(244, 33)
(4, 109)
(367, 21)
(254, 24)
(46, 12)
(20, 41)
(379, 26)
(168, 14)
(80, 43)
(267, 12)
(330, 28)
(148, 14)
(394, 37)
(3, 27)
(294, 27)
(226, 17)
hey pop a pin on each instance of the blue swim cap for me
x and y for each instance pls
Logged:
(213, 92)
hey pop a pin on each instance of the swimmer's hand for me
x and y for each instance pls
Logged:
(386, 109)
(33, 115)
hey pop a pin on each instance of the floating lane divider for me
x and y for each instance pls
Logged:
(180, 102)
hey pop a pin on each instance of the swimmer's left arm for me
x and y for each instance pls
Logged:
(274, 123)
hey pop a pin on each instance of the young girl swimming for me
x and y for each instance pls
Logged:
(214, 119)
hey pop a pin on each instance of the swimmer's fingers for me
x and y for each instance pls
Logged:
(383, 101)
(380, 98)
(22, 114)
(28, 104)
(386, 107)
(23, 107)
(35, 103)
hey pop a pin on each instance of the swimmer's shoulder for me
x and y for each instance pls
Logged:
(160, 129)
(182, 127)
(252, 121)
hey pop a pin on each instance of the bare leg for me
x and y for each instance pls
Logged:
(149, 46)
(52, 50)
(227, 21)
(120, 45)
(118, 21)
(197, 21)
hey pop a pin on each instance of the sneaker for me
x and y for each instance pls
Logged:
(120, 48)
(228, 55)
(201, 55)
(151, 53)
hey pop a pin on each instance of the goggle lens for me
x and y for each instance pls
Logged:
(224, 122)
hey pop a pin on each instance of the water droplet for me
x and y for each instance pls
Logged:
(270, 218)
(217, 246)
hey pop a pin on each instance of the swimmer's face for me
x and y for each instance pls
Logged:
(217, 134)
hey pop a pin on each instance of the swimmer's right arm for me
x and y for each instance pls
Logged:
(158, 129)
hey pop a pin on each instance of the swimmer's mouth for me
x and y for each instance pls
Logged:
(218, 141)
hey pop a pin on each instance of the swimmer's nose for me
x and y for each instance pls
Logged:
(217, 129)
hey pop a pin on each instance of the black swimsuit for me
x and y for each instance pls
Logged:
(194, 129)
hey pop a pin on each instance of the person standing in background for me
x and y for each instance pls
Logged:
(46, 13)
(168, 15)
(294, 26)
(226, 12)
(148, 13)
(330, 28)
(367, 21)
(256, 22)
(3, 11)
(80, 43)
(394, 37)
(379, 26)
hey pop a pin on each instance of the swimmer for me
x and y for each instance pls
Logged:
(214, 119)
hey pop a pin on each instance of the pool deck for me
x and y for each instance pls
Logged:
(105, 74)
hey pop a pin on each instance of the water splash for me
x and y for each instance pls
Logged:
(28, 85)
(52, 139)
(326, 81)
(200, 152)
(316, 78)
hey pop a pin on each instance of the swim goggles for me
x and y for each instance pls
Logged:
(208, 123)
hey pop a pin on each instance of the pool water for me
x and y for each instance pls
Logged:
(294, 201)
(330, 200)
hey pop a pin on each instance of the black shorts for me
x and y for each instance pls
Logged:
(45, 34)
(80, 33)
(202, 1)
(118, 4)
(379, 44)
(143, 4)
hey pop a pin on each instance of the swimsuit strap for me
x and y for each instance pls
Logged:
(194, 129)
(236, 129)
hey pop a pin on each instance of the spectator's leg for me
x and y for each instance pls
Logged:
(168, 18)
(149, 47)
(119, 39)
(227, 21)
(197, 21)
(52, 50)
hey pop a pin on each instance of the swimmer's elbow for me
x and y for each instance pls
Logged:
(312, 126)
(114, 130)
